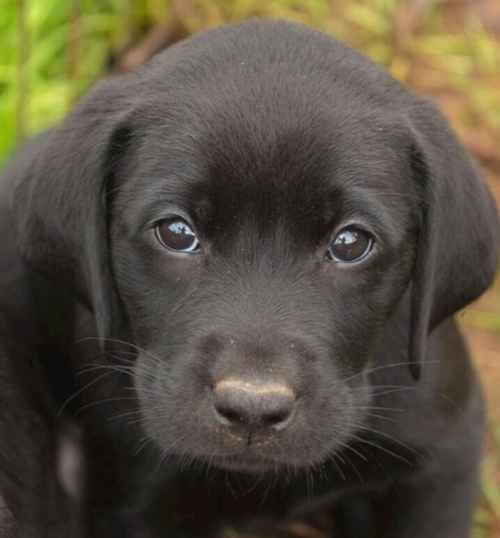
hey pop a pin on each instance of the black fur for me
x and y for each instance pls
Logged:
(269, 138)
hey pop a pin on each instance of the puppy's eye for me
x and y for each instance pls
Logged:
(350, 245)
(176, 234)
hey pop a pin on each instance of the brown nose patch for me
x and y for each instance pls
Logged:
(259, 388)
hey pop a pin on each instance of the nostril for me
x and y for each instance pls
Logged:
(276, 419)
(226, 415)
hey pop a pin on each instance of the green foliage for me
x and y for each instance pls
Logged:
(70, 41)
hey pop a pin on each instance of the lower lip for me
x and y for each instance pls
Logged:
(244, 464)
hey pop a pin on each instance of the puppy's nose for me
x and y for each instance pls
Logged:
(253, 405)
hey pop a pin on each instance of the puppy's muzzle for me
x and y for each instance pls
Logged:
(253, 405)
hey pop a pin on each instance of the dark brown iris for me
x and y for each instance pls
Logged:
(350, 245)
(176, 234)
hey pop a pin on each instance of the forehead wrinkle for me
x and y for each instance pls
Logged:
(265, 246)
(290, 173)
(386, 211)
(165, 173)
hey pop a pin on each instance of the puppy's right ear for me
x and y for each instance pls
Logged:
(59, 200)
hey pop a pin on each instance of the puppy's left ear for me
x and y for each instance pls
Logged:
(60, 203)
(458, 238)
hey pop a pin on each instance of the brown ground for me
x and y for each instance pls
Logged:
(483, 332)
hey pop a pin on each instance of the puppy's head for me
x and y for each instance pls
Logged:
(253, 206)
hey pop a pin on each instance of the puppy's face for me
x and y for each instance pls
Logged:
(259, 251)
(265, 190)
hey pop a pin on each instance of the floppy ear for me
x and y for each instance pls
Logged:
(60, 199)
(458, 238)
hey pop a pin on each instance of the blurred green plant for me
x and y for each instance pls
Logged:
(68, 44)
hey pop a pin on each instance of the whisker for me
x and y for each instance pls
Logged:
(120, 342)
(389, 437)
(383, 449)
(346, 446)
(377, 387)
(143, 442)
(378, 408)
(80, 391)
(104, 401)
(393, 391)
(385, 366)
(115, 368)
(338, 467)
(381, 417)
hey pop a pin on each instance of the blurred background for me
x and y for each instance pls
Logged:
(51, 51)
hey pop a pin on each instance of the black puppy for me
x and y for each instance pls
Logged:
(242, 262)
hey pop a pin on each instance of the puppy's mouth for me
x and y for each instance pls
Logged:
(244, 463)
(258, 458)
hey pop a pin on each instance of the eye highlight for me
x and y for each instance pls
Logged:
(176, 234)
(350, 245)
